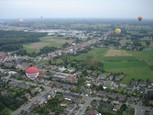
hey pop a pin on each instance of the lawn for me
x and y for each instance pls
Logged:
(135, 66)
(53, 41)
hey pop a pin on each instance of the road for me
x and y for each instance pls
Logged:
(140, 110)
(28, 105)
(83, 108)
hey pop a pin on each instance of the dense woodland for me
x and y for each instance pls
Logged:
(13, 40)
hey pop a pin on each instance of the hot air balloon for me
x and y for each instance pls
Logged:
(118, 31)
(32, 73)
(139, 18)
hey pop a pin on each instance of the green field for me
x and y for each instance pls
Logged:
(53, 41)
(146, 55)
(98, 53)
(136, 66)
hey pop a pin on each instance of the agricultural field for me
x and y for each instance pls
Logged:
(137, 65)
(46, 41)
(117, 53)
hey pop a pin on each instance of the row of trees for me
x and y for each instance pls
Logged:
(47, 49)
(44, 50)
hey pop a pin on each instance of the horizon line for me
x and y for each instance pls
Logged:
(71, 18)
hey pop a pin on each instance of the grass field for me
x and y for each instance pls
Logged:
(135, 66)
(98, 53)
(46, 41)
(132, 69)
(146, 55)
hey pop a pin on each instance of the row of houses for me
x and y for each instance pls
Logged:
(44, 99)
(71, 78)
(73, 49)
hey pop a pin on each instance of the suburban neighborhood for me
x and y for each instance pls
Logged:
(56, 81)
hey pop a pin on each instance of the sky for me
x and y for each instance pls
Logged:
(124, 9)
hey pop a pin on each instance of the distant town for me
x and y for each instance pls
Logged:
(76, 67)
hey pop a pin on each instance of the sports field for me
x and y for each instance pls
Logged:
(135, 64)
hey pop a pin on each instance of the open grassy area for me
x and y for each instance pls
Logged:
(97, 53)
(132, 69)
(46, 41)
(146, 55)
(136, 66)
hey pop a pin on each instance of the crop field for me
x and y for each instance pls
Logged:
(46, 41)
(117, 53)
(136, 65)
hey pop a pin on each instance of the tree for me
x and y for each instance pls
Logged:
(2, 106)
(65, 59)
(5, 112)
(147, 43)
(84, 72)
(123, 108)
(65, 45)
(22, 52)
(93, 62)
(100, 87)
(47, 49)
(50, 61)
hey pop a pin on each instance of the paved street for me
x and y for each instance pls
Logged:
(83, 108)
(140, 110)
(28, 105)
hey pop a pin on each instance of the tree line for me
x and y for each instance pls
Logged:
(13, 40)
